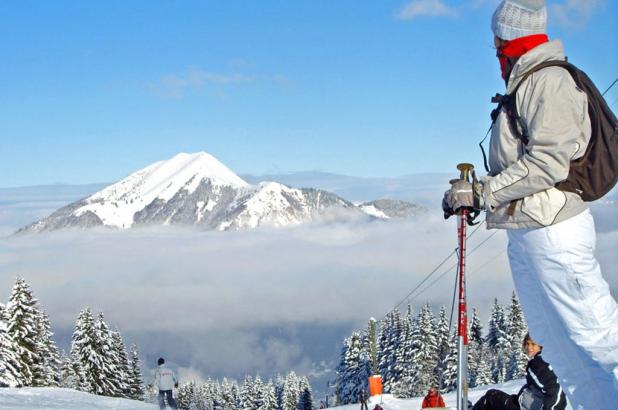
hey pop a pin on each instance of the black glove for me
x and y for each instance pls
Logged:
(176, 385)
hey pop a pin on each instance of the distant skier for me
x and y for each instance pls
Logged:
(165, 381)
(551, 232)
(433, 399)
(541, 391)
(362, 398)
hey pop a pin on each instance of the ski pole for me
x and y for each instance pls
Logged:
(462, 328)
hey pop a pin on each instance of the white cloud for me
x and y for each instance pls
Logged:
(420, 8)
(175, 86)
(574, 13)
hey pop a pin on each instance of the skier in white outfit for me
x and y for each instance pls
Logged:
(551, 232)
(164, 382)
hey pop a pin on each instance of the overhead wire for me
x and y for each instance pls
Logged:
(428, 276)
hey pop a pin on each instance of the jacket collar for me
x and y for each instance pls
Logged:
(552, 50)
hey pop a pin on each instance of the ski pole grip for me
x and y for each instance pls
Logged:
(465, 169)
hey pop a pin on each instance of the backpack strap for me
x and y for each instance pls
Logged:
(510, 100)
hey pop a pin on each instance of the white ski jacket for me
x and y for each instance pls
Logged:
(164, 378)
(519, 191)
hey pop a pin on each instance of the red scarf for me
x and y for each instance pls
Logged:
(516, 48)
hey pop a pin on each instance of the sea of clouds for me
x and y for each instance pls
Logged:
(227, 304)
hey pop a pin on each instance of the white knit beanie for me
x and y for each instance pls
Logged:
(519, 18)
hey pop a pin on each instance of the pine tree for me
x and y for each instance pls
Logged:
(68, 377)
(47, 372)
(476, 328)
(22, 317)
(305, 401)
(10, 366)
(290, 392)
(136, 384)
(185, 396)
(444, 348)
(426, 351)
(83, 351)
(388, 348)
(122, 377)
(354, 369)
(268, 399)
(516, 329)
(229, 395)
(450, 366)
(404, 386)
(245, 397)
(372, 335)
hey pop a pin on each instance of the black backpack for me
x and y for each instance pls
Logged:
(596, 172)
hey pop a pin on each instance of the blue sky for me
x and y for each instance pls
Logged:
(92, 91)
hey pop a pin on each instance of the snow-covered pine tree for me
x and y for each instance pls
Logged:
(404, 386)
(123, 373)
(136, 383)
(449, 364)
(110, 383)
(497, 325)
(290, 392)
(476, 345)
(354, 369)
(476, 328)
(372, 337)
(516, 329)
(305, 401)
(22, 316)
(388, 346)
(185, 396)
(279, 388)
(482, 376)
(229, 395)
(84, 348)
(268, 399)
(426, 351)
(257, 391)
(48, 371)
(246, 399)
(443, 342)
(68, 377)
(10, 366)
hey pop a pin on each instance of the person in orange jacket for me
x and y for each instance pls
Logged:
(433, 399)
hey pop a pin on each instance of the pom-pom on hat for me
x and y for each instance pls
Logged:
(519, 18)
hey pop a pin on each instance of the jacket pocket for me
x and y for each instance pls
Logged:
(543, 207)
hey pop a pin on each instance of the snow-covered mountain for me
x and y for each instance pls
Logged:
(198, 190)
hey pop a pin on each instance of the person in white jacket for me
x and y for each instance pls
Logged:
(551, 233)
(164, 382)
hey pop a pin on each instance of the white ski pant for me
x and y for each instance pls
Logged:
(569, 308)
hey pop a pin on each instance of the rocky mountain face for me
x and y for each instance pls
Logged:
(197, 190)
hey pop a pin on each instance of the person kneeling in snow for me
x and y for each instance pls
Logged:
(433, 399)
(541, 391)
(164, 382)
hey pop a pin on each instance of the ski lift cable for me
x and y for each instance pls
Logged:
(432, 272)
(450, 268)
(610, 87)
(471, 273)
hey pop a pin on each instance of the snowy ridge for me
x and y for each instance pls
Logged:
(198, 190)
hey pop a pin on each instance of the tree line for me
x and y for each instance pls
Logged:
(413, 352)
(289, 393)
(97, 363)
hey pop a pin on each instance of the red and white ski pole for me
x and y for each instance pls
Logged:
(462, 328)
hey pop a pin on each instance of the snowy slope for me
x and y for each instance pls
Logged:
(197, 190)
(32, 398)
(48, 398)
